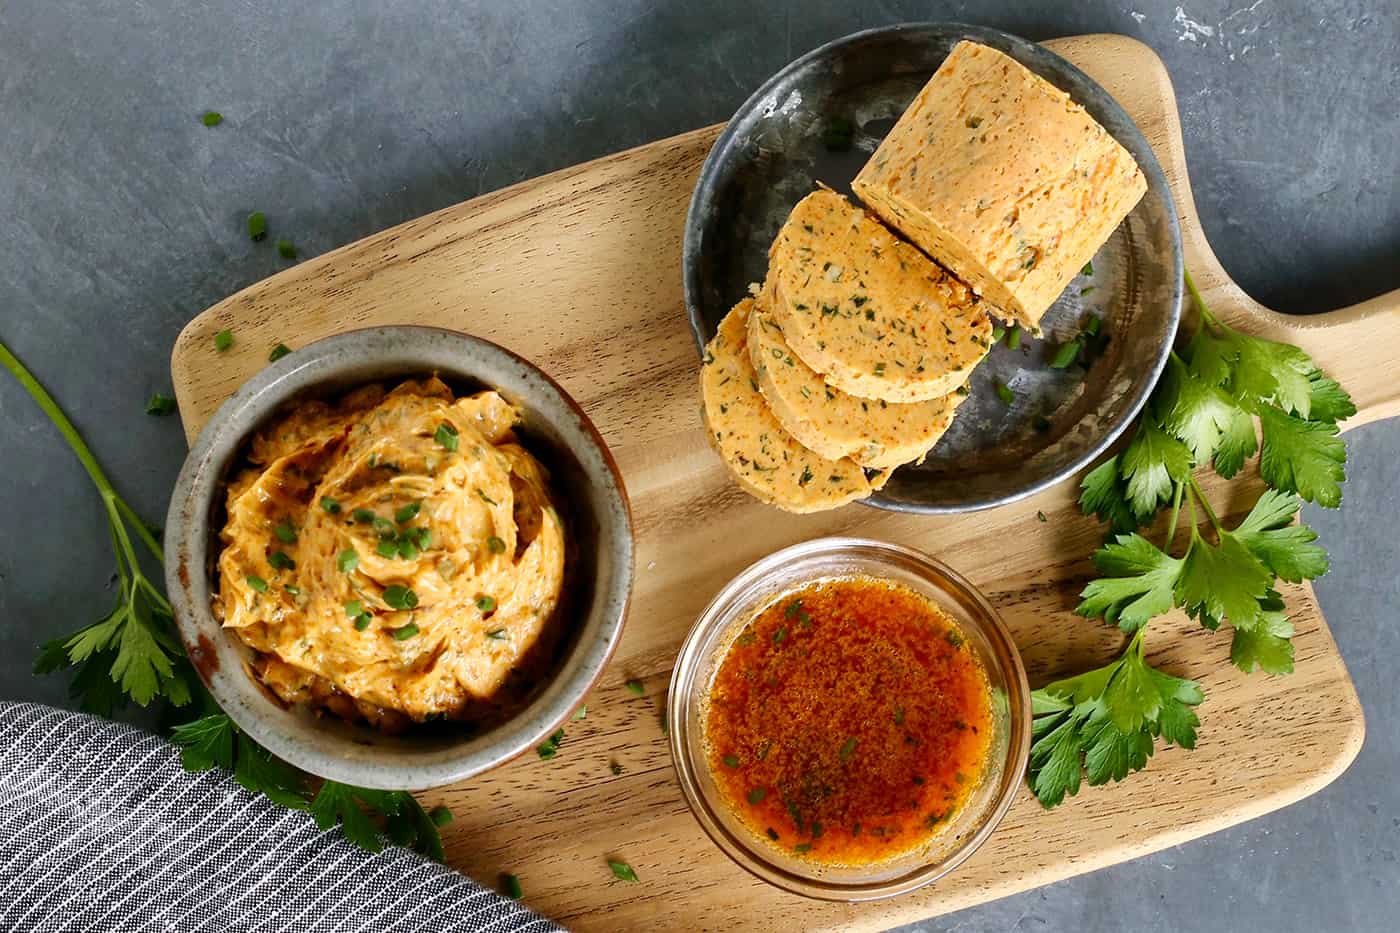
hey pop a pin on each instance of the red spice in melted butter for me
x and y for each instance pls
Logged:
(848, 721)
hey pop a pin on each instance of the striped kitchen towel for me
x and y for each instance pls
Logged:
(102, 829)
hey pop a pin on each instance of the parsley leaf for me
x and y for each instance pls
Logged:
(1106, 719)
(1137, 582)
(1151, 464)
(1305, 457)
(1268, 645)
(1269, 373)
(1238, 443)
(1104, 494)
(1223, 581)
(1285, 548)
(160, 405)
(1193, 410)
(1330, 402)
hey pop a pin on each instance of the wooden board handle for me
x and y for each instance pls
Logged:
(1350, 343)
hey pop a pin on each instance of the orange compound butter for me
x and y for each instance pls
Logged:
(1000, 177)
(848, 722)
(868, 311)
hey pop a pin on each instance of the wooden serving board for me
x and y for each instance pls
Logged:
(580, 272)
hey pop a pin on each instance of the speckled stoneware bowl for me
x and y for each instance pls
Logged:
(591, 497)
(774, 152)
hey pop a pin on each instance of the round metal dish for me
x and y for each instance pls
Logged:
(777, 148)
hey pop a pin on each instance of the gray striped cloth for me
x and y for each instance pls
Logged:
(101, 829)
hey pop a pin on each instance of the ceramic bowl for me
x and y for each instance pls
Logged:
(586, 483)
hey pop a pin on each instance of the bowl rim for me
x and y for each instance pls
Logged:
(1026, 52)
(201, 479)
(749, 857)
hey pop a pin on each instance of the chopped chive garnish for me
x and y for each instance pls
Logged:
(1040, 516)
(160, 405)
(622, 871)
(286, 249)
(550, 748)
(779, 635)
(400, 597)
(405, 632)
(387, 547)
(510, 886)
(285, 533)
(848, 748)
(408, 550)
(580, 713)
(347, 560)
(223, 340)
(757, 794)
(383, 527)
(1013, 337)
(496, 545)
(899, 715)
(1092, 323)
(408, 512)
(997, 332)
(731, 761)
(1005, 394)
(292, 590)
(636, 687)
(485, 498)
(278, 352)
(802, 847)
(440, 815)
(792, 609)
(363, 516)
(257, 226)
(485, 603)
(257, 583)
(329, 505)
(954, 638)
(497, 634)
(280, 560)
(362, 621)
(211, 118)
(422, 537)
(354, 607)
(446, 436)
(1065, 355)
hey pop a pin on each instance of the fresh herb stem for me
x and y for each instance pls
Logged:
(1210, 512)
(1176, 513)
(1200, 302)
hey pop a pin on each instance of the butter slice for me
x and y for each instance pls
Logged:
(868, 311)
(766, 460)
(872, 432)
(998, 175)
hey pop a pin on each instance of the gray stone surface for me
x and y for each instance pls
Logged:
(123, 218)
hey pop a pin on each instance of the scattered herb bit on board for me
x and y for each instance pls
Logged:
(286, 249)
(636, 687)
(257, 226)
(622, 871)
(580, 713)
(223, 340)
(550, 748)
(278, 352)
(1104, 723)
(510, 886)
(211, 118)
(160, 405)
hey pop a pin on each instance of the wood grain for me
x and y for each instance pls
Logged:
(580, 271)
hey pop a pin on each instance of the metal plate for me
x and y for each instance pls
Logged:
(773, 153)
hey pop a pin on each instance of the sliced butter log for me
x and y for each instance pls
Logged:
(868, 311)
(767, 461)
(872, 432)
(999, 176)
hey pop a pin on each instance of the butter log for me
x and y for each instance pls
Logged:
(1001, 178)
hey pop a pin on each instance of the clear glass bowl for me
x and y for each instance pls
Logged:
(834, 558)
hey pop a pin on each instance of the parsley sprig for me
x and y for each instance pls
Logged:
(1203, 412)
(134, 655)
